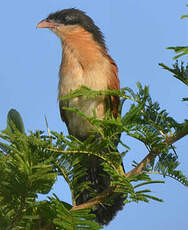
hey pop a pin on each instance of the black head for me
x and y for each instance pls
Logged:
(77, 17)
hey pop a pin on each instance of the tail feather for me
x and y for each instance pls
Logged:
(106, 212)
(100, 181)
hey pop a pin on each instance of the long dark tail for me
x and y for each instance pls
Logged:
(100, 181)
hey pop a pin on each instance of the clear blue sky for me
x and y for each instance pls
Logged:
(137, 33)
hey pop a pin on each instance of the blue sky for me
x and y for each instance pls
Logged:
(137, 33)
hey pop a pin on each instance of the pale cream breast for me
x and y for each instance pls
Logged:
(82, 66)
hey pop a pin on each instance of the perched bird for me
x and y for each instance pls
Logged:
(86, 62)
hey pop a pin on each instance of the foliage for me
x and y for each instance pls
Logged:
(30, 163)
(179, 71)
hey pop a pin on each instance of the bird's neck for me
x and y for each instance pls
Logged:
(81, 47)
(83, 63)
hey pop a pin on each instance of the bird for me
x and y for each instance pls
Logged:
(86, 62)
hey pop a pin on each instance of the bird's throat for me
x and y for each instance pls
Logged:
(83, 63)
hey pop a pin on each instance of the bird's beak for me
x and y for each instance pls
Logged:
(46, 24)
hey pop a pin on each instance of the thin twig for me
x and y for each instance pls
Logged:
(154, 152)
(63, 171)
(96, 200)
(84, 152)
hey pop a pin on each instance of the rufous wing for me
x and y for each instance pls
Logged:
(114, 84)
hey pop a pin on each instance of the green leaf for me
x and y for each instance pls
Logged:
(149, 182)
(184, 16)
(14, 121)
(71, 220)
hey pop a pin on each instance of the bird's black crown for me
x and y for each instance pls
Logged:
(77, 17)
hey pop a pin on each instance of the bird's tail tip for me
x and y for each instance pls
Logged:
(105, 212)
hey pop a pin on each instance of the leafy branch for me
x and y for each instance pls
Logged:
(154, 152)
(181, 73)
(30, 163)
